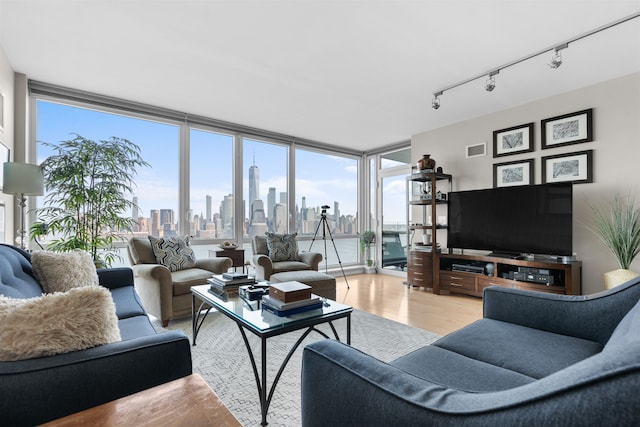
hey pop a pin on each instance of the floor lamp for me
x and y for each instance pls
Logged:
(22, 179)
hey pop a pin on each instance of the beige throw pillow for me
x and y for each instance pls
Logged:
(57, 323)
(60, 272)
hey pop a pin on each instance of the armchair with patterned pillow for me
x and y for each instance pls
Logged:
(164, 272)
(275, 253)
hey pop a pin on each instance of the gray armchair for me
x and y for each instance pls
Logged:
(265, 266)
(535, 359)
(165, 294)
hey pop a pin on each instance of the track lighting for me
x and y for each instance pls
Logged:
(556, 61)
(491, 81)
(435, 103)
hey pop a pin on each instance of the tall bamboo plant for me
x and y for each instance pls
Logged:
(618, 227)
(88, 185)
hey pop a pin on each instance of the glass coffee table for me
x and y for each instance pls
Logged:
(249, 316)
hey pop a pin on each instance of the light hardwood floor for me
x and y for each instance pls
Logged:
(388, 297)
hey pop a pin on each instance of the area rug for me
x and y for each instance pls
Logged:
(221, 358)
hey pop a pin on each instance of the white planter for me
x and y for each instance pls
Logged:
(616, 277)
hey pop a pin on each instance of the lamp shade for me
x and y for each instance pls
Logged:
(23, 178)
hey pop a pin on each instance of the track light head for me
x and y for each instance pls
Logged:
(435, 103)
(490, 85)
(556, 61)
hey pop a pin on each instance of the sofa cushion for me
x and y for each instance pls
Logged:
(59, 272)
(626, 332)
(282, 247)
(454, 370)
(173, 252)
(135, 327)
(283, 266)
(127, 303)
(529, 351)
(56, 323)
(16, 275)
(260, 243)
(140, 251)
(183, 280)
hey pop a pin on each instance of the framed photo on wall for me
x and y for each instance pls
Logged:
(510, 174)
(573, 128)
(575, 167)
(4, 157)
(513, 140)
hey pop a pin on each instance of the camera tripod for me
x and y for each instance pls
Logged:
(325, 228)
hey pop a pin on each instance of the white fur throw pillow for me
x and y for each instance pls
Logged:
(59, 272)
(57, 323)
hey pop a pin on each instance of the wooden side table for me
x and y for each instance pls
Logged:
(187, 401)
(236, 255)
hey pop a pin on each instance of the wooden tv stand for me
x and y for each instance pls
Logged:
(470, 274)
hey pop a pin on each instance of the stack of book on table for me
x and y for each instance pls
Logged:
(229, 281)
(288, 298)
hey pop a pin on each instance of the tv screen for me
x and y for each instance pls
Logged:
(532, 219)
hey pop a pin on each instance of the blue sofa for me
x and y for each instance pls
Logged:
(38, 390)
(534, 359)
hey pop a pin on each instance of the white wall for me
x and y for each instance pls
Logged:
(7, 136)
(616, 145)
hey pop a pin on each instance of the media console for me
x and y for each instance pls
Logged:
(470, 274)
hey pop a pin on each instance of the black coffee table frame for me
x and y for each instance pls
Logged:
(229, 306)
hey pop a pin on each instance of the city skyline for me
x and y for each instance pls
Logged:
(257, 220)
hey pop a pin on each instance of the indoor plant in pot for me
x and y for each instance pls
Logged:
(618, 227)
(366, 239)
(88, 192)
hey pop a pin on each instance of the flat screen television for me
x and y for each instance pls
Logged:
(531, 219)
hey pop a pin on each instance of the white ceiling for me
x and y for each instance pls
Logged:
(357, 73)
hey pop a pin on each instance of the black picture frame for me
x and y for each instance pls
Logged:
(567, 129)
(513, 140)
(510, 174)
(574, 167)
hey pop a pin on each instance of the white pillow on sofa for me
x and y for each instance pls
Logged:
(56, 323)
(60, 272)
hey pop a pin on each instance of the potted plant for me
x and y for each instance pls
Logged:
(88, 188)
(366, 239)
(618, 227)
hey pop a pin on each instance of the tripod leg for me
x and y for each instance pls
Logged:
(314, 239)
(324, 221)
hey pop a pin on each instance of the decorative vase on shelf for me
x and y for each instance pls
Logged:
(426, 162)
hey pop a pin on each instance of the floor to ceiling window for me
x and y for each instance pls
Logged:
(211, 201)
(394, 168)
(196, 184)
(265, 182)
(327, 204)
(156, 192)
